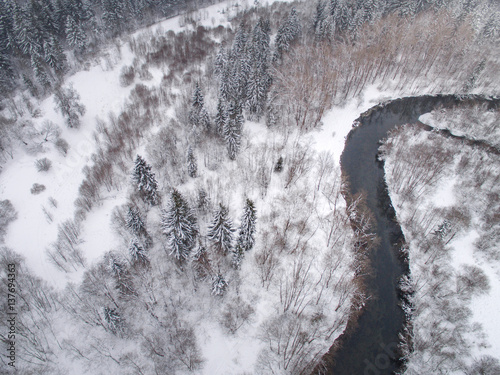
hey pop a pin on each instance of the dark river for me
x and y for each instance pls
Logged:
(371, 346)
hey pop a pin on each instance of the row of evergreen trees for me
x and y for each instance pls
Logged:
(180, 225)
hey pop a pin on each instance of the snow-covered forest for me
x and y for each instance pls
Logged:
(172, 198)
(447, 207)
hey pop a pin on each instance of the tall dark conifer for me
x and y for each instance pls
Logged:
(192, 166)
(221, 231)
(145, 181)
(232, 129)
(180, 226)
(246, 235)
(220, 117)
(198, 116)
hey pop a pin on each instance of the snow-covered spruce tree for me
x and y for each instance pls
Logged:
(145, 181)
(220, 232)
(240, 42)
(246, 235)
(219, 284)
(113, 320)
(192, 166)
(118, 269)
(320, 19)
(54, 54)
(220, 117)
(114, 15)
(180, 226)
(134, 222)
(288, 33)
(271, 115)
(6, 71)
(75, 35)
(114, 265)
(198, 116)
(67, 102)
(472, 80)
(197, 100)
(232, 130)
(26, 35)
(204, 120)
(138, 253)
(221, 60)
(7, 10)
(40, 73)
(227, 86)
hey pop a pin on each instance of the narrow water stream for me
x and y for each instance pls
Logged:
(371, 346)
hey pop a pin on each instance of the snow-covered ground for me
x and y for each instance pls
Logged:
(36, 227)
(455, 281)
(100, 92)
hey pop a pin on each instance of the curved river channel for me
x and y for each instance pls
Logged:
(369, 345)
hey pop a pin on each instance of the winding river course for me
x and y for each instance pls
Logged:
(369, 344)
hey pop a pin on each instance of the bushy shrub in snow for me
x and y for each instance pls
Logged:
(37, 188)
(43, 165)
(62, 146)
(127, 76)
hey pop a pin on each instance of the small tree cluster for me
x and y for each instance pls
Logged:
(287, 34)
(37, 188)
